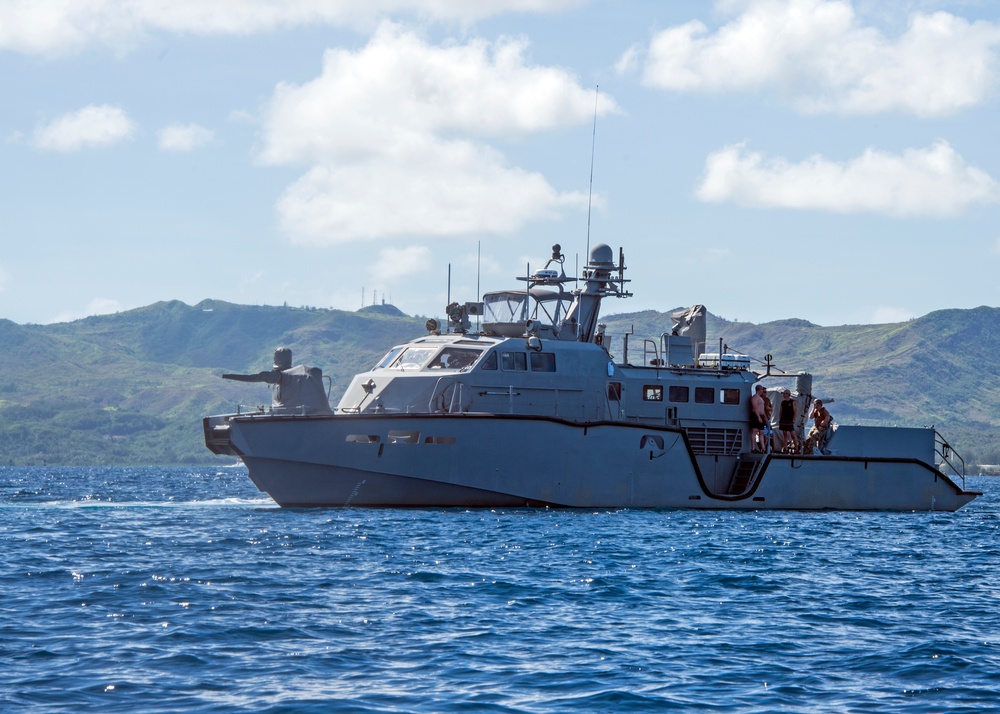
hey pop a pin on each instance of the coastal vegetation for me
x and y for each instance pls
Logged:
(131, 388)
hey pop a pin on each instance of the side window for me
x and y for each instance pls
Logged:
(490, 362)
(704, 395)
(730, 396)
(615, 391)
(543, 362)
(679, 394)
(652, 393)
(514, 361)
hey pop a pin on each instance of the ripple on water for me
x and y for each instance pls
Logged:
(182, 589)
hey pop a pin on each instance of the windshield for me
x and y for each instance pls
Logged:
(413, 358)
(387, 360)
(455, 358)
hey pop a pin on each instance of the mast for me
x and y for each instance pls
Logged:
(599, 282)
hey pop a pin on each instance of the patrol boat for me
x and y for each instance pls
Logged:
(533, 410)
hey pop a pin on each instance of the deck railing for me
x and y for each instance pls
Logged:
(949, 457)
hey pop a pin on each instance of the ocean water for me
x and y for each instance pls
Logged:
(186, 590)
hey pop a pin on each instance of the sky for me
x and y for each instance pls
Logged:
(830, 160)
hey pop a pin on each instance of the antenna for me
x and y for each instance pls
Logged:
(527, 291)
(479, 295)
(593, 143)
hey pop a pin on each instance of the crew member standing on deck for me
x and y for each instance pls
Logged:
(758, 419)
(787, 411)
(768, 431)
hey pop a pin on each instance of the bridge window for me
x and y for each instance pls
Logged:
(615, 391)
(490, 362)
(514, 362)
(543, 362)
(730, 396)
(413, 358)
(652, 393)
(704, 395)
(679, 394)
(387, 360)
(455, 358)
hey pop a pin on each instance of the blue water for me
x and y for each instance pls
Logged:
(180, 589)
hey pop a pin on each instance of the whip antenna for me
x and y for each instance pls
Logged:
(593, 142)
(479, 294)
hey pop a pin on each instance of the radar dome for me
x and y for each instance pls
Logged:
(601, 254)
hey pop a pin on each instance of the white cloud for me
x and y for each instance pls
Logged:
(398, 90)
(91, 126)
(31, 26)
(395, 133)
(819, 55)
(184, 137)
(395, 263)
(97, 306)
(629, 61)
(934, 181)
(887, 314)
(451, 189)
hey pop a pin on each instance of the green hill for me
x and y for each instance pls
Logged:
(937, 370)
(132, 387)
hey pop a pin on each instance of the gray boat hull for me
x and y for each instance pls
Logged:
(506, 460)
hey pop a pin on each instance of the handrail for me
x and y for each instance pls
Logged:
(946, 451)
(755, 474)
(439, 391)
(646, 343)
